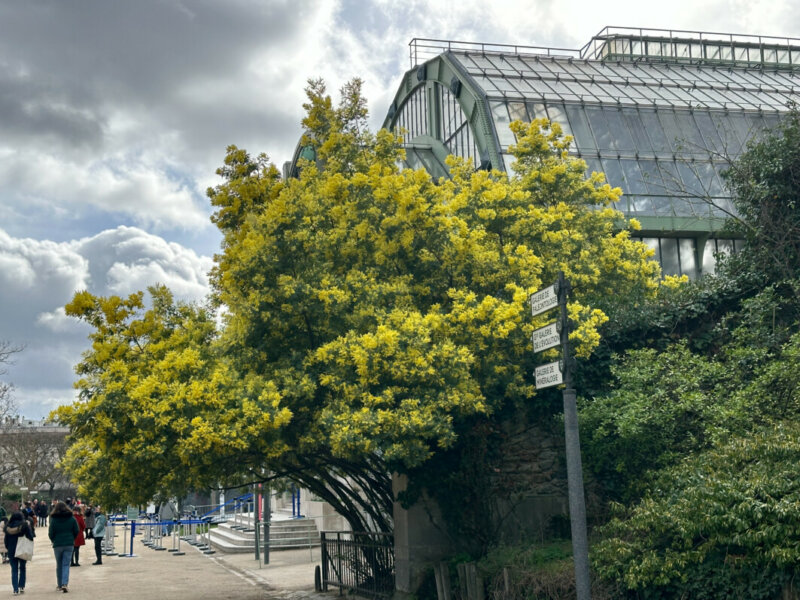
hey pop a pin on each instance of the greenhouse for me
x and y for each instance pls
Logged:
(661, 113)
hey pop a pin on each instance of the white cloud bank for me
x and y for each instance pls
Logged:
(37, 278)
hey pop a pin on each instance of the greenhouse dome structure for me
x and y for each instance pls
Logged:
(660, 112)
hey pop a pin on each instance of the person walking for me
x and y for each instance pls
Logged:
(17, 527)
(99, 532)
(88, 518)
(41, 513)
(77, 512)
(62, 531)
(3, 553)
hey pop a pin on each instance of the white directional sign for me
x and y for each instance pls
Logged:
(549, 375)
(544, 300)
(546, 337)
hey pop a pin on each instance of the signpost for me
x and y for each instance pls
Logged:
(556, 373)
(549, 375)
(544, 300)
(547, 337)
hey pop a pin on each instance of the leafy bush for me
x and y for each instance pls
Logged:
(724, 523)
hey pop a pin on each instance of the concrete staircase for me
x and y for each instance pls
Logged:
(284, 534)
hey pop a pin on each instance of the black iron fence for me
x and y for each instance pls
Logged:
(360, 563)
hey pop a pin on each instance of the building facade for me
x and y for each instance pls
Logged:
(661, 113)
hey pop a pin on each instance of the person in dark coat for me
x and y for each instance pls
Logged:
(62, 531)
(17, 526)
(41, 513)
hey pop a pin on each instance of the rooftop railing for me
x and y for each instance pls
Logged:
(693, 47)
(642, 44)
(423, 49)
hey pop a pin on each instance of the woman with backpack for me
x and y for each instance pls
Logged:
(17, 527)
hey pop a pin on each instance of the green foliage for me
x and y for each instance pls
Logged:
(701, 432)
(724, 523)
(766, 185)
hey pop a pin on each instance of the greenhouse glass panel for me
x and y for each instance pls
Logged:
(613, 172)
(652, 243)
(690, 132)
(503, 84)
(672, 180)
(742, 127)
(651, 177)
(711, 139)
(577, 89)
(662, 206)
(540, 86)
(517, 111)
(731, 144)
(655, 131)
(725, 247)
(682, 94)
(726, 53)
(632, 176)
(557, 115)
(636, 127)
(641, 205)
(670, 263)
(593, 166)
(687, 254)
(671, 131)
(771, 120)
(484, 63)
(691, 182)
(600, 128)
(709, 260)
(501, 122)
(537, 110)
(579, 125)
(511, 65)
(722, 207)
(623, 140)
(525, 87)
(412, 159)
(486, 84)
(708, 179)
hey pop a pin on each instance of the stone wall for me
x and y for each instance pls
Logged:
(527, 488)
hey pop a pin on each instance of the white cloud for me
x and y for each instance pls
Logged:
(140, 188)
(39, 277)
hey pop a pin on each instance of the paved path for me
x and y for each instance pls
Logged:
(162, 576)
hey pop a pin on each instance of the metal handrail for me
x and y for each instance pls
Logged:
(426, 48)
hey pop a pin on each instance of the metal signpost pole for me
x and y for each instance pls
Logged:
(257, 521)
(557, 373)
(577, 504)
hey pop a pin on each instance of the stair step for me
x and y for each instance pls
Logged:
(232, 537)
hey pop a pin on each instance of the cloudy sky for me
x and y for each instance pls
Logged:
(115, 114)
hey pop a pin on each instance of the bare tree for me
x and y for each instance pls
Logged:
(7, 405)
(33, 453)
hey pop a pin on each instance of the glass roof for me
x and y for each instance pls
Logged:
(659, 112)
(533, 77)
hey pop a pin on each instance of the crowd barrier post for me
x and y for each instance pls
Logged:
(209, 549)
(160, 536)
(108, 540)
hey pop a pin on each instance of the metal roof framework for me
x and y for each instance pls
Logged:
(659, 112)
